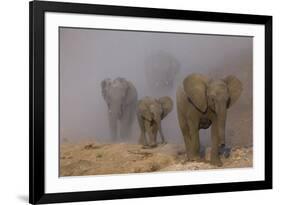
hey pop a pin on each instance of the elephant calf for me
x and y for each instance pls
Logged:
(201, 103)
(150, 112)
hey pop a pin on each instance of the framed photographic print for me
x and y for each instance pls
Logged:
(140, 102)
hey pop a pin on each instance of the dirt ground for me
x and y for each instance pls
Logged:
(99, 159)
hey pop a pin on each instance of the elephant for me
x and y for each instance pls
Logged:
(201, 103)
(121, 98)
(150, 112)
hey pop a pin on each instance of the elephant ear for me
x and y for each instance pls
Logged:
(166, 105)
(195, 87)
(130, 91)
(105, 84)
(234, 87)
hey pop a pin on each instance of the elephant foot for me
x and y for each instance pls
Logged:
(216, 162)
(142, 141)
(149, 146)
(164, 142)
(185, 160)
(193, 158)
(146, 147)
(153, 145)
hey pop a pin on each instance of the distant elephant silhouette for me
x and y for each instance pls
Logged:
(161, 69)
(121, 97)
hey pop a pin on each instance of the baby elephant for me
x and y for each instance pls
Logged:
(150, 112)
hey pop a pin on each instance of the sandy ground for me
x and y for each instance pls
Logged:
(98, 159)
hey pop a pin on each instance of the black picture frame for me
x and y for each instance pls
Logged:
(37, 9)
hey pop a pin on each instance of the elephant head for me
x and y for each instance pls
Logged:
(213, 96)
(150, 112)
(117, 93)
(161, 70)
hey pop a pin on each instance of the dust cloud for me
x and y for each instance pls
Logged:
(156, 63)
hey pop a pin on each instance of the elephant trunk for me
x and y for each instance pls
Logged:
(116, 110)
(148, 124)
(156, 128)
(152, 126)
(221, 119)
(158, 121)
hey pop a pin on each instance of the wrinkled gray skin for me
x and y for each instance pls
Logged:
(120, 96)
(150, 112)
(201, 103)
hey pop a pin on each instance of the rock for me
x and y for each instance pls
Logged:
(89, 146)
(224, 151)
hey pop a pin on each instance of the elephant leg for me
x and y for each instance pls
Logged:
(151, 132)
(127, 121)
(153, 136)
(194, 148)
(132, 116)
(215, 159)
(163, 141)
(113, 126)
(184, 129)
(125, 125)
(185, 132)
(142, 139)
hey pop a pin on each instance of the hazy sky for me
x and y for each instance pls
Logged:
(87, 56)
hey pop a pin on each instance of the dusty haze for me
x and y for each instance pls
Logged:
(87, 56)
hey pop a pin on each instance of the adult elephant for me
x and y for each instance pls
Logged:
(202, 102)
(150, 112)
(120, 96)
(161, 69)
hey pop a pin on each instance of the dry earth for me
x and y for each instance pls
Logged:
(98, 159)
